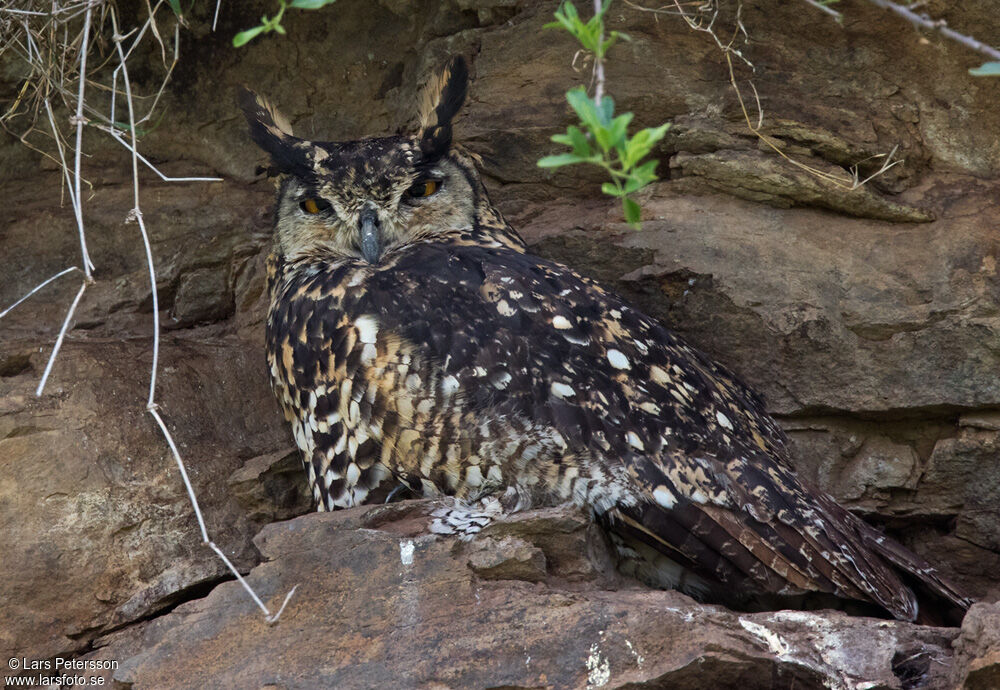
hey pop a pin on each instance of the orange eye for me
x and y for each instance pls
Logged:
(314, 206)
(423, 188)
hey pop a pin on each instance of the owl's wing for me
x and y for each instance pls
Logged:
(716, 490)
(538, 329)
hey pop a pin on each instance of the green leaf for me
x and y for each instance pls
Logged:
(646, 172)
(566, 18)
(987, 69)
(611, 189)
(641, 144)
(575, 139)
(618, 128)
(589, 39)
(280, 29)
(564, 23)
(637, 147)
(657, 133)
(584, 107)
(175, 5)
(560, 160)
(632, 212)
(244, 37)
(311, 4)
(604, 47)
(603, 137)
(569, 11)
(641, 176)
(581, 146)
(633, 184)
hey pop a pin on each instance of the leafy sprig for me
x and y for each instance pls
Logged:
(602, 138)
(589, 34)
(274, 24)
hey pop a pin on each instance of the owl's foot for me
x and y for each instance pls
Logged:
(466, 520)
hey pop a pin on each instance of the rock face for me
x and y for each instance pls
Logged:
(977, 666)
(868, 319)
(379, 604)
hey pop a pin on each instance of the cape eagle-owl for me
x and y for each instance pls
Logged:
(413, 339)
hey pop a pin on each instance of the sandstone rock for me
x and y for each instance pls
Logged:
(981, 420)
(272, 487)
(977, 649)
(203, 295)
(762, 177)
(509, 558)
(575, 549)
(89, 481)
(374, 609)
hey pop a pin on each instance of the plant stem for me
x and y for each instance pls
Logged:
(598, 62)
(281, 13)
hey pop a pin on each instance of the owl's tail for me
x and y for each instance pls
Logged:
(770, 564)
(915, 571)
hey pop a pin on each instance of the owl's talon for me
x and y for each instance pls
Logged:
(463, 520)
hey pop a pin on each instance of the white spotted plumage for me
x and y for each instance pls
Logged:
(412, 339)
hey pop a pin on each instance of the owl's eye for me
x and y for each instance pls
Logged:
(314, 206)
(423, 188)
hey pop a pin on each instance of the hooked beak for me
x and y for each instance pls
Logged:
(371, 248)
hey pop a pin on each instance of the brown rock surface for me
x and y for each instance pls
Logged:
(375, 608)
(876, 342)
(977, 649)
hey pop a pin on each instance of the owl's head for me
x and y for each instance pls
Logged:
(360, 199)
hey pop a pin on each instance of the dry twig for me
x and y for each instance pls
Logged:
(46, 43)
(940, 25)
(151, 405)
(703, 20)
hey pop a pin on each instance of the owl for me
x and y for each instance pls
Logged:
(414, 341)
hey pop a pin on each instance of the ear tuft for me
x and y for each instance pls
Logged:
(258, 109)
(271, 131)
(442, 99)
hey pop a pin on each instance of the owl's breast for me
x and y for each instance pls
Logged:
(334, 378)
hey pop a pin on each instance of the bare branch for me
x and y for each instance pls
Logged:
(826, 8)
(703, 19)
(79, 121)
(13, 11)
(151, 405)
(937, 25)
(59, 340)
(153, 410)
(38, 287)
(118, 137)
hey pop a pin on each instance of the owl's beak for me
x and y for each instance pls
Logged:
(371, 248)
